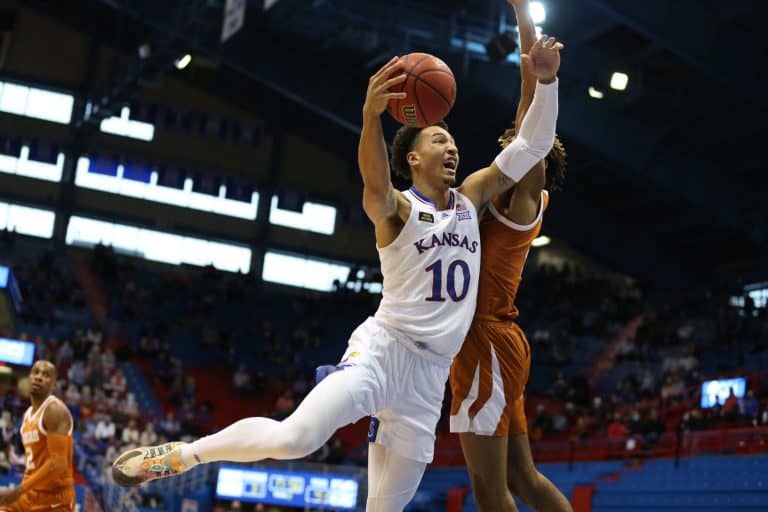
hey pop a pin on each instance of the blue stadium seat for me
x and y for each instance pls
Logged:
(705, 483)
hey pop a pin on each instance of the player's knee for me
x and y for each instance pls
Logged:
(491, 493)
(299, 440)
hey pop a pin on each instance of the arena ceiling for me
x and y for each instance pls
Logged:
(666, 178)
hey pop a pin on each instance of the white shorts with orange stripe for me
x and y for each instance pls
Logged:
(488, 378)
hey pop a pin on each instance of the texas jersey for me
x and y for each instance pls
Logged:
(506, 250)
(431, 273)
(34, 436)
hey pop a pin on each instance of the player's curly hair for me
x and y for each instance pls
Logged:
(556, 160)
(402, 144)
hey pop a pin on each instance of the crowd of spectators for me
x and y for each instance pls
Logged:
(659, 371)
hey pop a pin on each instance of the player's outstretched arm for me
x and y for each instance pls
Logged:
(536, 134)
(527, 30)
(379, 196)
(524, 204)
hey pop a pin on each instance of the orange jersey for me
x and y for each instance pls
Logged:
(505, 250)
(34, 437)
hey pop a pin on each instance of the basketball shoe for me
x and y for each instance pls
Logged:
(141, 465)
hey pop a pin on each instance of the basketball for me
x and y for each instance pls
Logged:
(431, 91)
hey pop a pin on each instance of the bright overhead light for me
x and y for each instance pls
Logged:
(541, 241)
(619, 81)
(538, 12)
(183, 62)
(596, 93)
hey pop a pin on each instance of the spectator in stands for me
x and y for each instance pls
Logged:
(96, 378)
(693, 420)
(284, 405)
(64, 355)
(301, 386)
(203, 417)
(113, 451)
(337, 455)
(648, 383)
(110, 400)
(652, 428)
(118, 382)
(542, 423)
(129, 407)
(130, 434)
(5, 463)
(730, 408)
(560, 421)
(618, 428)
(108, 360)
(190, 389)
(241, 380)
(149, 346)
(7, 431)
(750, 407)
(72, 396)
(626, 350)
(77, 373)
(170, 427)
(187, 418)
(105, 431)
(560, 386)
(93, 336)
(148, 435)
(673, 387)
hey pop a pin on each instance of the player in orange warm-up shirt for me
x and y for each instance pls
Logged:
(46, 432)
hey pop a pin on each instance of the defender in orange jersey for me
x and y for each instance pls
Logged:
(489, 374)
(46, 432)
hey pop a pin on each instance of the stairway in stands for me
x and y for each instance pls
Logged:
(138, 384)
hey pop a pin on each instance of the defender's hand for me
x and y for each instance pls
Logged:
(545, 58)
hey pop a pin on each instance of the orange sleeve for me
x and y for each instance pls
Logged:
(58, 449)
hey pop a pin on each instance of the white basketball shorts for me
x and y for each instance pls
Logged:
(402, 385)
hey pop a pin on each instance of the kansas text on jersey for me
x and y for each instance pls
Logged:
(431, 273)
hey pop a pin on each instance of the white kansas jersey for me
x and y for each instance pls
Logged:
(431, 272)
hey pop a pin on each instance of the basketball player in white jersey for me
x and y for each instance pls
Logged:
(397, 363)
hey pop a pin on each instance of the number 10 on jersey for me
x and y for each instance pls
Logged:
(450, 280)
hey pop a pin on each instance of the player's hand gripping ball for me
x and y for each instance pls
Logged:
(430, 89)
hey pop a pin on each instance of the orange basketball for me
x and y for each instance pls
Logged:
(431, 91)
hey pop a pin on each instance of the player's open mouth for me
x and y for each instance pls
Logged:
(450, 165)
